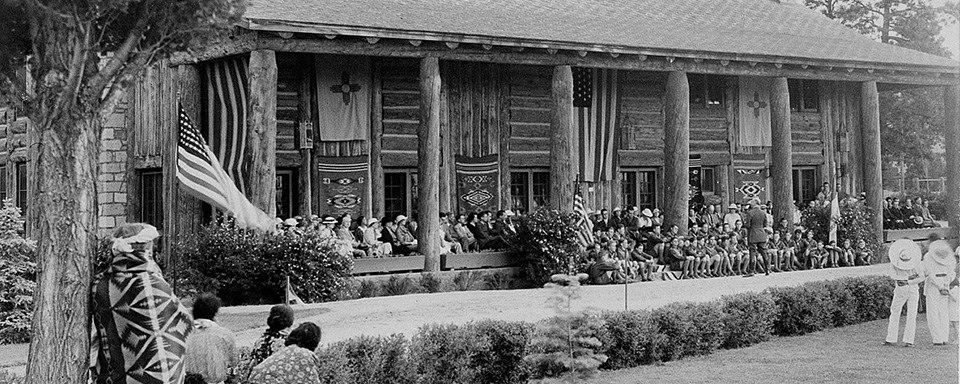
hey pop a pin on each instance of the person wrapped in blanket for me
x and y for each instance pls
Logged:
(139, 326)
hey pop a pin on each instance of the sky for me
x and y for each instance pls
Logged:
(951, 33)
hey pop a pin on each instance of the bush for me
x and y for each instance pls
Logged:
(429, 283)
(468, 281)
(631, 338)
(9, 378)
(497, 281)
(396, 285)
(844, 311)
(17, 277)
(442, 354)
(854, 223)
(369, 289)
(245, 267)
(801, 310)
(872, 296)
(690, 328)
(747, 319)
(498, 350)
(376, 360)
(547, 242)
(331, 364)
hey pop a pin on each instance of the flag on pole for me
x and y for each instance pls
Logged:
(585, 226)
(834, 216)
(595, 103)
(199, 173)
(291, 297)
(224, 106)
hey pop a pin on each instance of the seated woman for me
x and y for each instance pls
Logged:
(294, 363)
(371, 239)
(278, 323)
(345, 235)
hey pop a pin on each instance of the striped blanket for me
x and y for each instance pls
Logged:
(343, 184)
(478, 183)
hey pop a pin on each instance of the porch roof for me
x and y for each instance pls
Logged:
(741, 30)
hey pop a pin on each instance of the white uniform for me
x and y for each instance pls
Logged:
(908, 294)
(939, 277)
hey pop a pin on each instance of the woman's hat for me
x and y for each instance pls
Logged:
(904, 254)
(372, 221)
(732, 206)
(329, 220)
(941, 252)
(646, 212)
(917, 220)
(291, 222)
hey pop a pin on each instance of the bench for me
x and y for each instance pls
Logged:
(891, 235)
(368, 265)
(478, 260)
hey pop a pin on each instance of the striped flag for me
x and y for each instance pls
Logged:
(225, 113)
(585, 226)
(200, 174)
(595, 103)
(834, 217)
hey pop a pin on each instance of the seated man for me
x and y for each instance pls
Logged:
(402, 241)
(356, 248)
(483, 231)
(604, 270)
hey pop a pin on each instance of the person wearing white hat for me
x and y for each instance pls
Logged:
(371, 236)
(907, 272)
(326, 228)
(732, 216)
(939, 264)
(954, 305)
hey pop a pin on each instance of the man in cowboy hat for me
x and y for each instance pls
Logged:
(938, 264)
(755, 221)
(732, 216)
(907, 272)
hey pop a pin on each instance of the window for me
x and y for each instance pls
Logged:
(804, 95)
(151, 197)
(706, 90)
(400, 193)
(22, 188)
(288, 196)
(639, 188)
(708, 182)
(805, 185)
(529, 190)
(3, 183)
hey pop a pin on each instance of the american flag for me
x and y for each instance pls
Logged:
(595, 103)
(225, 113)
(199, 173)
(584, 225)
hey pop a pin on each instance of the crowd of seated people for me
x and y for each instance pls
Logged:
(631, 245)
(373, 237)
(912, 213)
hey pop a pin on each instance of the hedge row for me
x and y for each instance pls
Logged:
(494, 351)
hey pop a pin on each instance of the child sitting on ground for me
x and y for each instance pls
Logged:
(604, 270)
(834, 254)
(846, 258)
(863, 254)
(817, 256)
(774, 252)
(789, 246)
(713, 256)
(676, 259)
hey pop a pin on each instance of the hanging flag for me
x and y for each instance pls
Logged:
(290, 297)
(200, 174)
(478, 183)
(343, 95)
(754, 111)
(595, 103)
(225, 111)
(583, 224)
(834, 217)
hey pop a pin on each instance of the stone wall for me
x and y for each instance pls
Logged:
(112, 180)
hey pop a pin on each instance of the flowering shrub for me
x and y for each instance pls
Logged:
(547, 242)
(17, 277)
(854, 224)
(246, 267)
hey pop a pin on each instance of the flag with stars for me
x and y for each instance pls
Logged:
(595, 103)
(200, 173)
(343, 97)
(754, 111)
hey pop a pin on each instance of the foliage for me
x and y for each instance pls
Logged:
(872, 296)
(690, 328)
(376, 360)
(747, 319)
(498, 351)
(547, 241)
(429, 283)
(802, 309)
(468, 281)
(566, 346)
(244, 267)
(9, 378)
(631, 338)
(442, 354)
(396, 285)
(497, 281)
(854, 224)
(369, 288)
(17, 277)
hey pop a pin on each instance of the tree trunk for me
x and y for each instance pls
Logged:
(66, 233)
(872, 162)
(562, 162)
(781, 153)
(262, 138)
(428, 134)
(676, 151)
(951, 127)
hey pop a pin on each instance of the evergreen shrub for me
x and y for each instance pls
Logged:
(630, 339)
(547, 243)
(18, 272)
(747, 319)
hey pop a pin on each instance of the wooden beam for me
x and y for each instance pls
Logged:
(376, 142)
(781, 153)
(305, 109)
(562, 167)
(505, 132)
(428, 135)
(676, 151)
(262, 131)
(445, 148)
(392, 48)
(951, 117)
(872, 162)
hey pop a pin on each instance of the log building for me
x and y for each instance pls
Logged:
(381, 108)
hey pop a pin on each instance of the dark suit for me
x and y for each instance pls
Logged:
(755, 223)
(602, 225)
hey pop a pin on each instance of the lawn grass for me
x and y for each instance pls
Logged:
(852, 354)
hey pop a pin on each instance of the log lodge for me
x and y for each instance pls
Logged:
(380, 108)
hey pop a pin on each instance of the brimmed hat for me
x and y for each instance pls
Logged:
(401, 218)
(646, 212)
(291, 222)
(732, 206)
(372, 221)
(509, 213)
(904, 254)
(329, 220)
(941, 252)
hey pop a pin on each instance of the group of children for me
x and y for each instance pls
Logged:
(715, 252)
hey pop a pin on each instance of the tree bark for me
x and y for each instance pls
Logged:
(781, 151)
(262, 138)
(428, 135)
(676, 151)
(562, 166)
(872, 162)
(951, 127)
(66, 224)
(376, 143)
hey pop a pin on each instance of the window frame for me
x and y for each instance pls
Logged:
(530, 184)
(143, 216)
(3, 182)
(800, 91)
(797, 173)
(409, 189)
(708, 185)
(21, 188)
(652, 192)
(701, 87)
(292, 195)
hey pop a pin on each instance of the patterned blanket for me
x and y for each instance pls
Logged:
(478, 183)
(342, 184)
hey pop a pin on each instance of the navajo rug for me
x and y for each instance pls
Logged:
(750, 179)
(343, 184)
(478, 183)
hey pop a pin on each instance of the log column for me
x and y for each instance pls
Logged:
(562, 167)
(261, 169)
(676, 151)
(872, 176)
(428, 169)
(781, 151)
(951, 116)
(376, 143)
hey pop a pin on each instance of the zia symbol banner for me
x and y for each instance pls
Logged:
(342, 184)
(478, 183)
